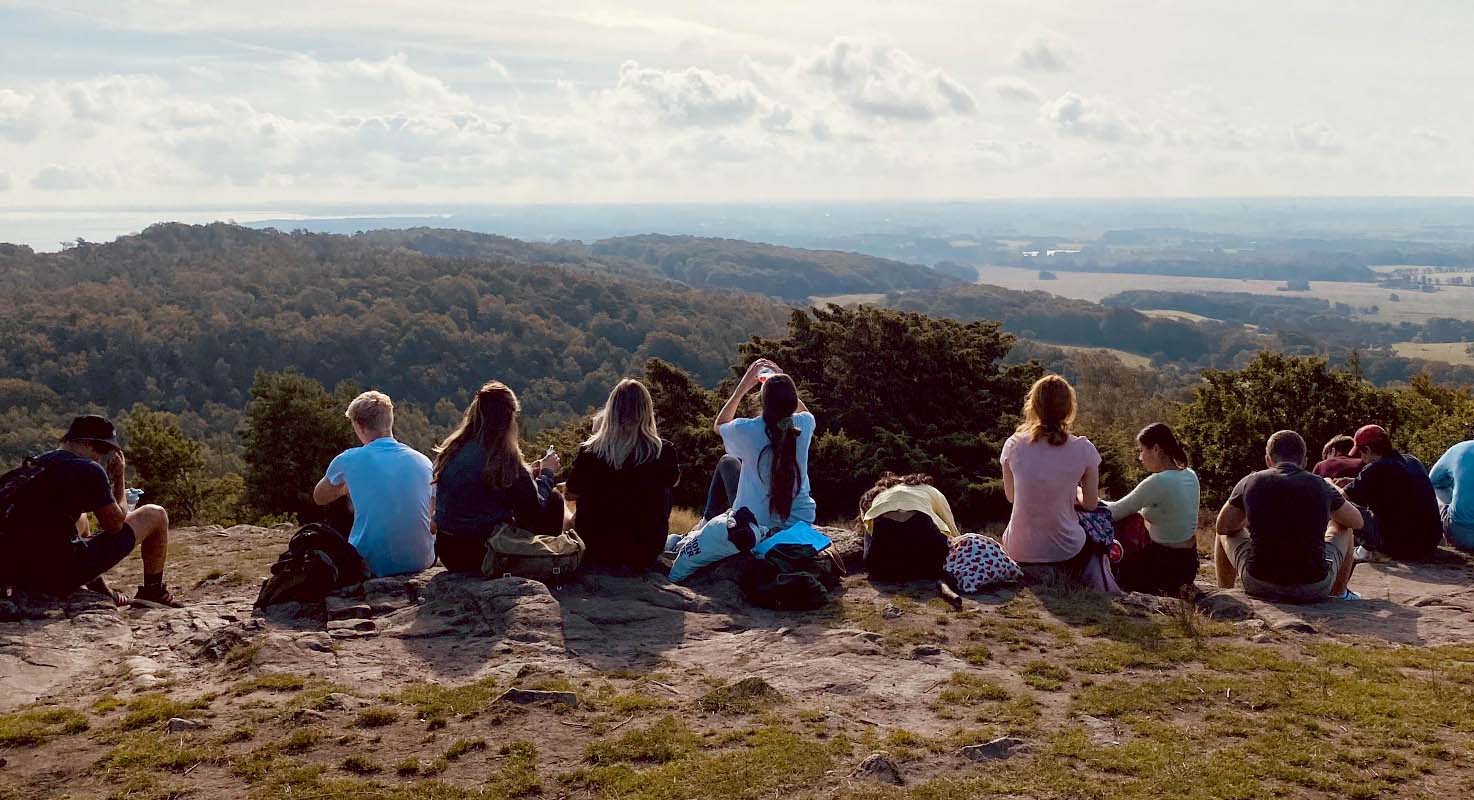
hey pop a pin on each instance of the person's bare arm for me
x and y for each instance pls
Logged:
(110, 518)
(1231, 520)
(326, 491)
(117, 476)
(747, 384)
(1348, 516)
(1090, 488)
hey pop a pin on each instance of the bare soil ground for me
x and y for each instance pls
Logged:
(687, 693)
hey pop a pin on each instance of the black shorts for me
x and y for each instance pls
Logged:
(1159, 569)
(79, 562)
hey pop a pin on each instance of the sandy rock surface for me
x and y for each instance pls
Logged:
(444, 627)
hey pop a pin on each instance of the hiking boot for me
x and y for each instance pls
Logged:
(155, 597)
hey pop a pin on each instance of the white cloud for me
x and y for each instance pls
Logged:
(692, 96)
(4, 181)
(19, 121)
(1315, 137)
(880, 81)
(1014, 89)
(1045, 51)
(1429, 137)
(1096, 119)
(62, 178)
(498, 68)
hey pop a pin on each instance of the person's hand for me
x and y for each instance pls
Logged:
(749, 379)
(550, 463)
(116, 467)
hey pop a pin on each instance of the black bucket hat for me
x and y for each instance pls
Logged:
(92, 429)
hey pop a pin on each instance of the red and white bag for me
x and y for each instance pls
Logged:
(974, 561)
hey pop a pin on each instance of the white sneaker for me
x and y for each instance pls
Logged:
(1361, 555)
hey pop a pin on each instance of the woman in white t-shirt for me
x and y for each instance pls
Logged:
(774, 448)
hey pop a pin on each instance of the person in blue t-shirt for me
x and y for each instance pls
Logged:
(389, 486)
(1453, 481)
(54, 549)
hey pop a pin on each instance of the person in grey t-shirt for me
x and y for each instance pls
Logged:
(1285, 532)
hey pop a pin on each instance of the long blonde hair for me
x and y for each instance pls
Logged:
(1049, 410)
(491, 421)
(625, 432)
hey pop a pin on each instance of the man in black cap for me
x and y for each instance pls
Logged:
(86, 475)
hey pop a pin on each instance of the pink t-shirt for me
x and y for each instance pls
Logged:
(1045, 526)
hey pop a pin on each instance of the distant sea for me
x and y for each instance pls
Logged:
(806, 224)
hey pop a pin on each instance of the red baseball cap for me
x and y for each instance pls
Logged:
(1367, 434)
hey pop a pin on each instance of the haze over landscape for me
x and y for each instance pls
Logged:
(222, 221)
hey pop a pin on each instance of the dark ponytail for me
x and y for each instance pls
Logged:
(780, 401)
(1159, 434)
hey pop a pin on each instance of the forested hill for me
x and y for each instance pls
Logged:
(181, 317)
(786, 273)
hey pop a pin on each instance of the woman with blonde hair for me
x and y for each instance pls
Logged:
(621, 478)
(482, 482)
(1046, 471)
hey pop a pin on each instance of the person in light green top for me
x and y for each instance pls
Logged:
(1168, 500)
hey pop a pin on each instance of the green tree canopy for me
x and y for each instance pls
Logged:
(168, 462)
(902, 392)
(292, 429)
(1234, 412)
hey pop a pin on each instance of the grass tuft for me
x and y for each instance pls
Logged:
(37, 725)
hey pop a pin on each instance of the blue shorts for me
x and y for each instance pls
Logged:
(81, 561)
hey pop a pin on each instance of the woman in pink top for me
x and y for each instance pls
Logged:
(1046, 472)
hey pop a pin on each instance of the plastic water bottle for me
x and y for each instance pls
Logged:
(764, 374)
(130, 496)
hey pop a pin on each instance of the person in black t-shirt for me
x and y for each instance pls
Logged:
(1399, 493)
(85, 475)
(621, 479)
(1297, 546)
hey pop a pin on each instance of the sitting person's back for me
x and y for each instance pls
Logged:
(621, 479)
(1399, 493)
(1048, 473)
(481, 482)
(908, 528)
(388, 483)
(1453, 481)
(1288, 513)
(1336, 460)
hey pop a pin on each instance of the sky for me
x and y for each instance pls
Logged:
(180, 104)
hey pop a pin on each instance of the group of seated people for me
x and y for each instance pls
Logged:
(1285, 532)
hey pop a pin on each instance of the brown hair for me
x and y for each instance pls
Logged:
(1286, 447)
(1049, 410)
(1159, 434)
(491, 421)
(1338, 446)
(888, 480)
(780, 401)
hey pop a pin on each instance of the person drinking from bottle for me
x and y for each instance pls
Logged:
(482, 482)
(55, 551)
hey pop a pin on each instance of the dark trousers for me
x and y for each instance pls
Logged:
(723, 490)
(465, 552)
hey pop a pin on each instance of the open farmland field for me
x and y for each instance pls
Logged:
(1452, 301)
(1129, 359)
(1168, 313)
(1456, 353)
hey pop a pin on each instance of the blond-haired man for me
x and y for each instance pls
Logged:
(389, 486)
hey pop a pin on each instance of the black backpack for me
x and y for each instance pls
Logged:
(318, 561)
(14, 488)
(908, 550)
(791, 577)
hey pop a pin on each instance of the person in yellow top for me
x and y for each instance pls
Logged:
(908, 526)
